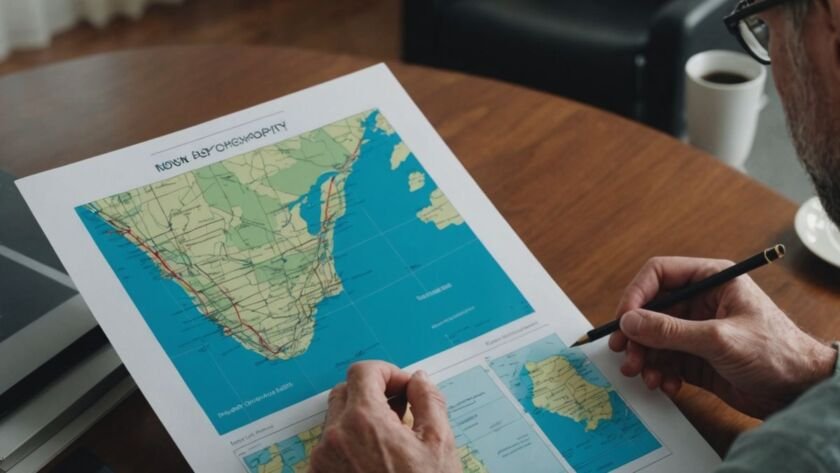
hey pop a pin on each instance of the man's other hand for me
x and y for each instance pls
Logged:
(363, 434)
(732, 340)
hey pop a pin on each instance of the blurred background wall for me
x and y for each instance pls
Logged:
(365, 27)
(626, 57)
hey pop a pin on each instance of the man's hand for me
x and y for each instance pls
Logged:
(363, 434)
(732, 341)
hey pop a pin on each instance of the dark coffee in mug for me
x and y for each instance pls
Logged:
(724, 77)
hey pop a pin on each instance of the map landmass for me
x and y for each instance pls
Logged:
(274, 464)
(252, 271)
(309, 439)
(440, 211)
(560, 389)
(399, 155)
(277, 456)
(416, 181)
(383, 124)
(470, 463)
(250, 239)
(574, 405)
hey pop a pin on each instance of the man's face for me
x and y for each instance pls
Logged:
(802, 67)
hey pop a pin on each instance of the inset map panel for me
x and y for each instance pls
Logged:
(491, 434)
(574, 405)
(288, 456)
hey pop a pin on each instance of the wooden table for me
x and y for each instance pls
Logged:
(593, 195)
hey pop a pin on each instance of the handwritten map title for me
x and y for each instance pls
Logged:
(220, 147)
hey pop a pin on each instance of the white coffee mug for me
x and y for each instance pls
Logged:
(722, 115)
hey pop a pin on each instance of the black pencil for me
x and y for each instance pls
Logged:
(767, 256)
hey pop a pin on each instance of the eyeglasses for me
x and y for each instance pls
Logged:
(751, 30)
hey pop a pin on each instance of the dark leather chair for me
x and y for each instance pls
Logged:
(626, 56)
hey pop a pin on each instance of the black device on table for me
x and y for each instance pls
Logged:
(26, 295)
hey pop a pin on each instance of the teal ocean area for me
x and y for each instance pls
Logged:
(613, 443)
(410, 290)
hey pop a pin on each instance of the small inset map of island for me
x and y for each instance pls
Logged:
(575, 406)
(491, 435)
(265, 275)
(288, 456)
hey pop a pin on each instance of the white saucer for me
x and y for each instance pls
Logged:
(817, 232)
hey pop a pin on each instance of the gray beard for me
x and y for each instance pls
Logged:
(815, 129)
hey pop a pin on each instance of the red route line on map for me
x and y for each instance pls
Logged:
(352, 157)
(156, 254)
(329, 190)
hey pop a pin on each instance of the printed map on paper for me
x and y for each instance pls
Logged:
(265, 275)
(492, 436)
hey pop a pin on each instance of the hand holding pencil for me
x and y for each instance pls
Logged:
(731, 339)
(694, 288)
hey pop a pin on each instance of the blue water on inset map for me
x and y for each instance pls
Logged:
(385, 256)
(488, 423)
(614, 442)
(291, 451)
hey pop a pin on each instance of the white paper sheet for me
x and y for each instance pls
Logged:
(239, 266)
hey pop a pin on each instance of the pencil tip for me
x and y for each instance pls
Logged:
(580, 341)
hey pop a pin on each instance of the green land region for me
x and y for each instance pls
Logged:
(560, 389)
(231, 234)
(470, 463)
(250, 239)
